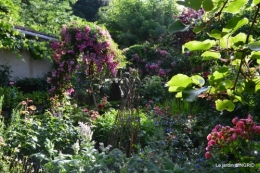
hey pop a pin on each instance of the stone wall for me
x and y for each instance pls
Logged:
(24, 66)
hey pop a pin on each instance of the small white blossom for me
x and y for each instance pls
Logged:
(85, 131)
(16, 150)
(76, 147)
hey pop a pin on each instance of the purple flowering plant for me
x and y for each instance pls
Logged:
(90, 46)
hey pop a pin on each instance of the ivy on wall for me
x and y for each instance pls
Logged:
(12, 39)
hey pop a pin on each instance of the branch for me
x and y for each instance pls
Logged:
(247, 40)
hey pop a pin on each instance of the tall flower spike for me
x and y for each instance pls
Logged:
(85, 132)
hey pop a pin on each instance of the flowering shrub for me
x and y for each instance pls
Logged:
(157, 60)
(188, 16)
(90, 46)
(230, 140)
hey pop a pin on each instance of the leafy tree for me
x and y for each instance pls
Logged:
(88, 9)
(8, 9)
(236, 54)
(135, 21)
(46, 15)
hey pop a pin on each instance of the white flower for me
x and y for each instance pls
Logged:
(76, 147)
(85, 131)
(16, 150)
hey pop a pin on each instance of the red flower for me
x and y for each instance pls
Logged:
(207, 155)
(85, 110)
(100, 106)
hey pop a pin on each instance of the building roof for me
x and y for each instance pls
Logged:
(40, 35)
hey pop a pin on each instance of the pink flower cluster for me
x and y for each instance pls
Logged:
(155, 69)
(189, 14)
(94, 47)
(220, 135)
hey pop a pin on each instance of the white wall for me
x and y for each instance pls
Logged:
(24, 68)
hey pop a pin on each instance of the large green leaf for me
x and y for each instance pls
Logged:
(256, 2)
(191, 94)
(257, 83)
(224, 42)
(215, 33)
(228, 83)
(220, 73)
(198, 80)
(208, 5)
(239, 39)
(224, 105)
(235, 6)
(198, 29)
(198, 45)
(234, 24)
(195, 4)
(210, 55)
(177, 26)
(179, 82)
(255, 55)
(255, 46)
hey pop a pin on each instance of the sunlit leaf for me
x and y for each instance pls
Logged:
(255, 46)
(224, 105)
(234, 24)
(257, 83)
(238, 55)
(228, 83)
(239, 39)
(178, 95)
(256, 2)
(255, 55)
(235, 6)
(198, 45)
(210, 55)
(177, 26)
(220, 73)
(224, 42)
(179, 82)
(198, 80)
(215, 33)
(237, 98)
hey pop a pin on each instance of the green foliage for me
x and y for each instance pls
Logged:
(134, 21)
(5, 72)
(152, 89)
(12, 97)
(159, 59)
(235, 52)
(88, 9)
(105, 124)
(12, 39)
(8, 9)
(29, 85)
(46, 16)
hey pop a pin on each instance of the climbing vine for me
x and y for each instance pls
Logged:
(89, 46)
(236, 53)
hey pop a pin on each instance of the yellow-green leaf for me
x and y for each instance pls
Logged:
(210, 55)
(198, 45)
(224, 105)
(235, 6)
(179, 82)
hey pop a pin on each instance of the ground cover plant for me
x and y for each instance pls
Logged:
(194, 109)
